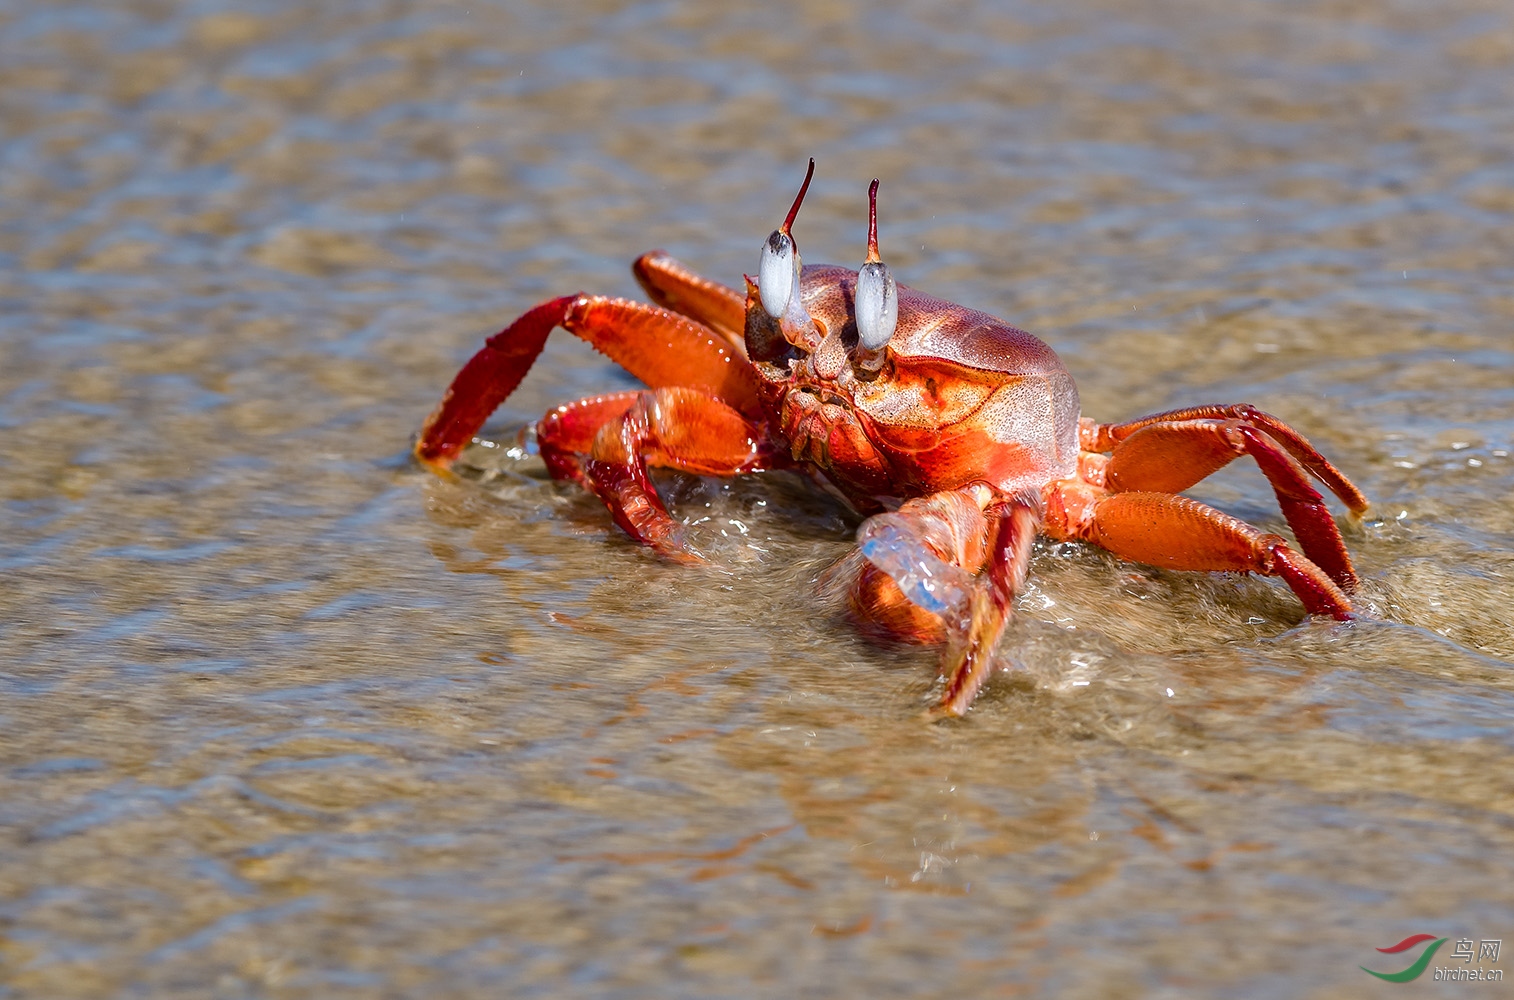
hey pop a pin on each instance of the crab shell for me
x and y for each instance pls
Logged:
(963, 398)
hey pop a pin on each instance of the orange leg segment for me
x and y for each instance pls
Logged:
(1099, 437)
(657, 346)
(567, 433)
(673, 428)
(1176, 532)
(486, 381)
(672, 285)
(1172, 455)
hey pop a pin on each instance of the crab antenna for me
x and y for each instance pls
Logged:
(798, 199)
(872, 223)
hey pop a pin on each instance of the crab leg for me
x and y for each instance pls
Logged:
(671, 284)
(609, 441)
(1172, 455)
(567, 432)
(969, 664)
(1095, 436)
(659, 347)
(1176, 532)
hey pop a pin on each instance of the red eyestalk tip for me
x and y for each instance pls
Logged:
(872, 224)
(798, 199)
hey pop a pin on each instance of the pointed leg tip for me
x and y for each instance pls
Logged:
(440, 465)
(943, 712)
(671, 543)
(684, 557)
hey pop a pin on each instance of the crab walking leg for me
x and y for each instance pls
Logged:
(486, 381)
(1175, 532)
(671, 428)
(567, 433)
(1170, 456)
(672, 285)
(970, 660)
(659, 347)
(1095, 436)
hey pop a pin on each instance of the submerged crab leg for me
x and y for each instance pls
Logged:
(1176, 532)
(1170, 456)
(672, 285)
(659, 347)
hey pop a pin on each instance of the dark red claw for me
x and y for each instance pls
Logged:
(1304, 508)
(486, 381)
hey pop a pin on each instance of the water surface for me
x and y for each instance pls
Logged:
(282, 715)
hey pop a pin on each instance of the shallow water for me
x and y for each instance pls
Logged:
(284, 716)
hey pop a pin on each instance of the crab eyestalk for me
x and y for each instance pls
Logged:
(778, 270)
(875, 304)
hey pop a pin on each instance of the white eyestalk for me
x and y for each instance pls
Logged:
(875, 303)
(777, 273)
(778, 270)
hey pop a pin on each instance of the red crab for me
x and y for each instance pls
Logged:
(960, 436)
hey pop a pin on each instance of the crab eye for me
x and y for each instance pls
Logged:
(778, 272)
(875, 301)
(875, 305)
(775, 273)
